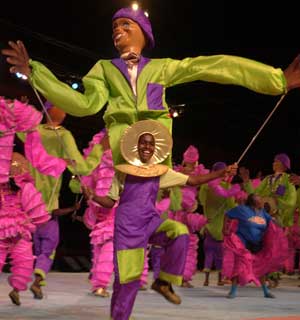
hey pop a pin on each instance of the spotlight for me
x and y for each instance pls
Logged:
(176, 110)
(135, 6)
(21, 76)
(175, 114)
(75, 85)
(146, 14)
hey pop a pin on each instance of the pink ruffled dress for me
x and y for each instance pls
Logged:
(20, 213)
(248, 267)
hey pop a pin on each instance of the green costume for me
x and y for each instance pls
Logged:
(214, 208)
(108, 82)
(285, 203)
(50, 186)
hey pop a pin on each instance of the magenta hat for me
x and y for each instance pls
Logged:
(218, 166)
(141, 19)
(284, 159)
(191, 154)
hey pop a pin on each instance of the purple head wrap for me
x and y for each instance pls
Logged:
(284, 159)
(141, 19)
(218, 166)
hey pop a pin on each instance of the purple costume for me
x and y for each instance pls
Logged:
(137, 223)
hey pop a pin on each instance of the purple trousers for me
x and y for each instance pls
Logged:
(45, 241)
(172, 260)
(137, 224)
(213, 252)
(156, 253)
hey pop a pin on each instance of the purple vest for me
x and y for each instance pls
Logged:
(136, 216)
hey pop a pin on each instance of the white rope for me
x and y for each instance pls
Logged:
(260, 129)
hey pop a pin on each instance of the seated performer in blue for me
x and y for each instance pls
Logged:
(251, 245)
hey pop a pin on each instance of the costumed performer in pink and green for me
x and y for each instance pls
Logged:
(185, 199)
(100, 220)
(216, 197)
(60, 143)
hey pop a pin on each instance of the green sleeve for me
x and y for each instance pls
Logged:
(84, 166)
(21, 136)
(202, 194)
(61, 94)
(75, 186)
(226, 69)
(176, 198)
(248, 187)
(298, 200)
(287, 205)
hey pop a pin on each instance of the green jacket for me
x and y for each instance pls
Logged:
(286, 203)
(107, 83)
(214, 208)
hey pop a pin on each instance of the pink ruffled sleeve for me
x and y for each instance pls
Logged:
(222, 192)
(90, 217)
(6, 148)
(95, 140)
(195, 221)
(33, 204)
(40, 159)
(26, 116)
(163, 205)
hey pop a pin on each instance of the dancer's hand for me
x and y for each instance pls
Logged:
(231, 170)
(292, 74)
(105, 142)
(87, 192)
(18, 57)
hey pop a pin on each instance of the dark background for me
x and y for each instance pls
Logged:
(70, 36)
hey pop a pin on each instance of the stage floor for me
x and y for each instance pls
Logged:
(67, 297)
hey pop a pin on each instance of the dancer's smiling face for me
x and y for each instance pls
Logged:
(146, 147)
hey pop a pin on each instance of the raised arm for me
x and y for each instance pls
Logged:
(105, 201)
(59, 93)
(204, 178)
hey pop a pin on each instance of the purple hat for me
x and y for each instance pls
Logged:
(218, 166)
(48, 105)
(141, 19)
(284, 159)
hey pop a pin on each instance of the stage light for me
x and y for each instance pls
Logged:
(135, 6)
(175, 114)
(21, 76)
(75, 85)
(176, 110)
(146, 14)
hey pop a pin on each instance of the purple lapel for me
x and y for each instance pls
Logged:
(121, 65)
(143, 61)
